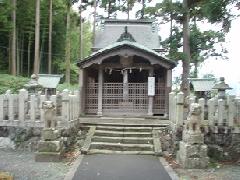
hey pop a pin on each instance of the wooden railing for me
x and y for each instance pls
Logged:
(114, 101)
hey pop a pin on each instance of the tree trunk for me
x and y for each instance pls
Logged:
(80, 34)
(37, 38)
(22, 54)
(68, 45)
(50, 38)
(29, 53)
(13, 43)
(186, 50)
(42, 50)
(171, 21)
(128, 10)
(109, 9)
(10, 53)
(94, 21)
(143, 8)
(18, 40)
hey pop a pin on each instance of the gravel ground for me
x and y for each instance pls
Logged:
(23, 167)
(223, 172)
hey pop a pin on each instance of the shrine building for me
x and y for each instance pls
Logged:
(125, 75)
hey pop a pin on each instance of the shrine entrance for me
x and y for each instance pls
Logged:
(120, 86)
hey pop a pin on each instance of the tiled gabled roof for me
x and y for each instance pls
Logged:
(134, 45)
(142, 31)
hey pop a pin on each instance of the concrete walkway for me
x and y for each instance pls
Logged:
(120, 167)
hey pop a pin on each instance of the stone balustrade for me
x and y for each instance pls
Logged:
(215, 112)
(25, 109)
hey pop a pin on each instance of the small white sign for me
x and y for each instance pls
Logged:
(151, 86)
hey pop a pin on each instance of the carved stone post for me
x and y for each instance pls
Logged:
(179, 109)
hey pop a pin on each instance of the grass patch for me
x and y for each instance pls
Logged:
(14, 83)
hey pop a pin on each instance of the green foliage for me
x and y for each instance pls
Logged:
(5, 12)
(59, 63)
(202, 43)
(5, 28)
(167, 10)
(25, 16)
(14, 83)
(70, 87)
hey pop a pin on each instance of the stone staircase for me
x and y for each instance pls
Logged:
(109, 139)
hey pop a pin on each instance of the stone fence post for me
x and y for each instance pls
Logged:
(211, 112)
(221, 111)
(201, 102)
(10, 99)
(171, 106)
(65, 107)
(32, 108)
(42, 99)
(231, 110)
(179, 113)
(22, 98)
(1, 107)
(77, 101)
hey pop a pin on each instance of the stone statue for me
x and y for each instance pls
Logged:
(50, 148)
(193, 120)
(49, 114)
(192, 150)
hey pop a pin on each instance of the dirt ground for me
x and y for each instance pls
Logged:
(23, 167)
(215, 171)
(225, 172)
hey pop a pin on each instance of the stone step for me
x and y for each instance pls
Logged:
(122, 134)
(125, 128)
(123, 140)
(103, 151)
(121, 147)
(133, 122)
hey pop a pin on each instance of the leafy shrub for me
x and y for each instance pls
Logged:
(14, 83)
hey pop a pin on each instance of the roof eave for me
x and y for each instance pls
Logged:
(80, 63)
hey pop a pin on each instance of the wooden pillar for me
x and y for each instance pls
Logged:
(81, 90)
(125, 85)
(150, 98)
(100, 90)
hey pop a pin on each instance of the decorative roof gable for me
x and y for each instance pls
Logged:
(126, 36)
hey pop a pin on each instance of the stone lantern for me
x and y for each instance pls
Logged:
(33, 86)
(221, 87)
